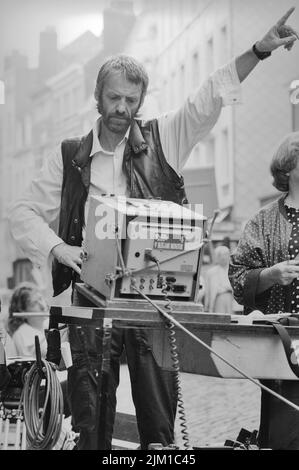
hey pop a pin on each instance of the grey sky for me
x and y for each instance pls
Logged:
(22, 20)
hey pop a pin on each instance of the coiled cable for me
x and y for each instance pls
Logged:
(43, 421)
(173, 348)
(171, 320)
(176, 367)
(174, 355)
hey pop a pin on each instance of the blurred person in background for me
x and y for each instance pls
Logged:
(264, 274)
(218, 291)
(6, 348)
(28, 298)
(124, 156)
(201, 291)
(5, 338)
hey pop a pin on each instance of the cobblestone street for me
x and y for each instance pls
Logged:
(216, 409)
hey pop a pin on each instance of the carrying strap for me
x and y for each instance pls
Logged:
(291, 347)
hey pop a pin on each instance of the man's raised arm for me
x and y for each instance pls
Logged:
(181, 129)
(280, 35)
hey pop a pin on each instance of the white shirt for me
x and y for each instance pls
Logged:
(179, 131)
(24, 340)
(9, 346)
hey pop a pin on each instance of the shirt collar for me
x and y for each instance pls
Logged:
(96, 145)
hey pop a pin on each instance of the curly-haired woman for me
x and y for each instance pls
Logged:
(264, 274)
(27, 298)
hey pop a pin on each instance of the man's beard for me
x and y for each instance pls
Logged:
(117, 123)
(116, 120)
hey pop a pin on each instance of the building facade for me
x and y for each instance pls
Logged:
(229, 169)
(42, 107)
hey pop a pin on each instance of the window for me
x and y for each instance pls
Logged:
(210, 151)
(195, 70)
(19, 135)
(182, 84)
(57, 108)
(165, 93)
(174, 91)
(223, 45)
(66, 104)
(152, 32)
(76, 95)
(27, 130)
(210, 56)
(22, 269)
(224, 157)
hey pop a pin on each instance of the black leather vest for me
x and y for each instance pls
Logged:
(148, 176)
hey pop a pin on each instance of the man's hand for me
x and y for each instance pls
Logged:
(284, 273)
(69, 255)
(279, 35)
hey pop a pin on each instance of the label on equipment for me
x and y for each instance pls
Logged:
(187, 268)
(170, 243)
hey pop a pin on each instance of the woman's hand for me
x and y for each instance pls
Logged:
(281, 273)
(285, 272)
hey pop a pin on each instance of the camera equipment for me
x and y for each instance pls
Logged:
(4, 372)
(155, 241)
(17, 368)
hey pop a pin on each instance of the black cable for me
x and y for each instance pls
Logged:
(176, 367)
(149, 257)
(173, 352)
(212, 351)
(37, 416)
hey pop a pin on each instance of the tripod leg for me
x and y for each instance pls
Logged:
(23, 444)
(1, 426)
(6, 432)
(104, 350)
(18, 433)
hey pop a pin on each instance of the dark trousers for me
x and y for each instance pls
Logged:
(153, 388)
(279, 426)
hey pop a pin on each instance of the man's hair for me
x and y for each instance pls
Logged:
(133, 71)
(285, 160)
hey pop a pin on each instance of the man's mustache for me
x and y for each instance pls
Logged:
(124, 116)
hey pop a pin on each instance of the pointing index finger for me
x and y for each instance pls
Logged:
(75, 267)
(284, 18)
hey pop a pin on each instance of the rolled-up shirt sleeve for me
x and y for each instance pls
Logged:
(30, 216)
(182, 129)
(246, 264)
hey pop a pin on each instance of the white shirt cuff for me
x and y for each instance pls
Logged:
(227, 82)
